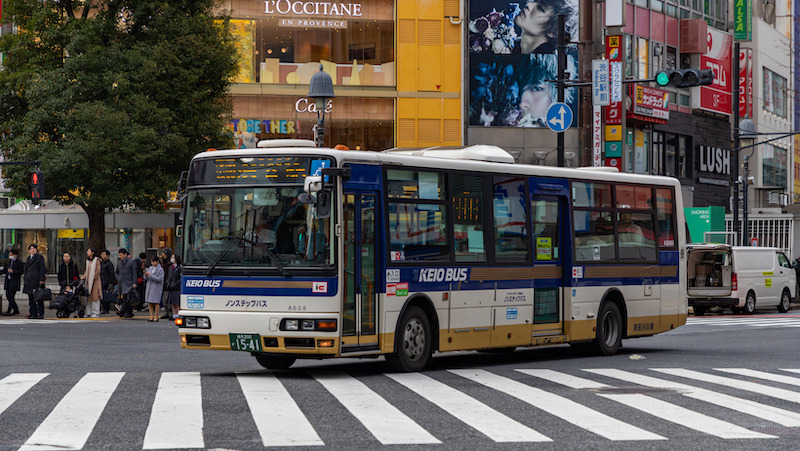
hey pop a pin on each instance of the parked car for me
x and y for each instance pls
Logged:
(742, 278)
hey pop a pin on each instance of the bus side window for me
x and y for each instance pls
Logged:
(510, 221)
(468, 205)
(545, 229)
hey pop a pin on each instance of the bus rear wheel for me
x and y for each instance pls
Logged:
(609, 330)
(274, 362)
(412, 342)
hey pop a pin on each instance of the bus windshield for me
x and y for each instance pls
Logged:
(266, 227)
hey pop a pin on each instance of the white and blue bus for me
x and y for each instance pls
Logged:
(294, 252)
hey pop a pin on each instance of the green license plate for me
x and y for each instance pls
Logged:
(245, 342)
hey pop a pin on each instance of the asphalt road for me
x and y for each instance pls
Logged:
(720, 382)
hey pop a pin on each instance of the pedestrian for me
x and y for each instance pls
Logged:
(797, 277)
(13, 271)
(166, 263)
(107, 281)
(155, 287)
(174, 284)
(141, 267)
(35, 274)
(67, 272)
(126, 277)
(93, 283)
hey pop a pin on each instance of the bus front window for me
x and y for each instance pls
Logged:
(253, 227)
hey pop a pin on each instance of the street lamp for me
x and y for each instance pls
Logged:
(747, 135)
(320, 88)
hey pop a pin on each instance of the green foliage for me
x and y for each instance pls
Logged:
(113, 100)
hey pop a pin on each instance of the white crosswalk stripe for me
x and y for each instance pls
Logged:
(490, 422)
(279, 420)
(655, 407)
(763, 411)
(757, 321)
(566, 409)
(382, 419)
(176, 420)
(80, 408)
(176, 417)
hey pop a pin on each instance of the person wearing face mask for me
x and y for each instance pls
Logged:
(13, 271)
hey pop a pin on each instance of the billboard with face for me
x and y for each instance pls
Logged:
(512, 61)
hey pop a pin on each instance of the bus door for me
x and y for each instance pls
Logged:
(360, 302)
(549, 256)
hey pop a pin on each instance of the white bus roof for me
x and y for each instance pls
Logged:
(453, 158)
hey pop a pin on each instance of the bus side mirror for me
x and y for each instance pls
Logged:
(323, 204)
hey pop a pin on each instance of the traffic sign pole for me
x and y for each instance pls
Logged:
(562, 68)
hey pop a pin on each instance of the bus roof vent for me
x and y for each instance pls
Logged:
(274, 143)
(479, 152)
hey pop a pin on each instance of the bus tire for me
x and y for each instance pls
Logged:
(412, 342)
(274, 362)
(750, 303)
(786, 299)
(609, 330)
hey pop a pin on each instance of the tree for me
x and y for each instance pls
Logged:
(114, 97)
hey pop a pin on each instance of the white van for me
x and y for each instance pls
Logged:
(740, 277)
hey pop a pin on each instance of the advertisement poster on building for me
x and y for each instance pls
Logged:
(745, 83)
(717, 97)
(512, 57)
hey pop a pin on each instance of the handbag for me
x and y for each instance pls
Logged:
(109, 297)
(42, 294)
(134, 299)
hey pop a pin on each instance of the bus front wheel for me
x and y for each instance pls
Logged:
(609, 330)
(273, 362)
(412, 342)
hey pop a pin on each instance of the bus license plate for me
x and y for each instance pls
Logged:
(245, 342)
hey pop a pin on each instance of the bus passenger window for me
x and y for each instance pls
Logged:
(594, 236)
(636, 237)
(417, 232)
(545, 229)
(665, 209)
(510, 231)
(468, 237)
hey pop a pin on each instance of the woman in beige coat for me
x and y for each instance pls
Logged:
(94, 287)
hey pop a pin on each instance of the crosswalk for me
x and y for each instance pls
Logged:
(617, 405)
(745, 321)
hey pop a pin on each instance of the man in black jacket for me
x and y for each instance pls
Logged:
(13, 272)
(126, 276)
(35, 275)
(107, 279)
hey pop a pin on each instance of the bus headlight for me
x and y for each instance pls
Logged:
(310, 325)
(194, 322)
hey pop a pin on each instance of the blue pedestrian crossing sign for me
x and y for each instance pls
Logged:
(559, 117)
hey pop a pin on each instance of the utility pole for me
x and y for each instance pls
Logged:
(562, 68)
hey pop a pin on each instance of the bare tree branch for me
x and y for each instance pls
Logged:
(86, 9)
(67, 5)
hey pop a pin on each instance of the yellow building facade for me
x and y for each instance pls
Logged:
(397, 69)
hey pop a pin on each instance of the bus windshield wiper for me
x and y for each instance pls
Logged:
(274, 258)
(235, 240)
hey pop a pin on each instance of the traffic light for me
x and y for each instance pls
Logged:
(37, 185)
(685, 78)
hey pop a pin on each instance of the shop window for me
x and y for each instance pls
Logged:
(670, 155)
(355, 44)
(774, 93)
(469, 208)
(684, 159)
(643, 58)
(510, 221)
(774, 166)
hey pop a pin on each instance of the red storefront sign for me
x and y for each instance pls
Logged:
(613, 112)
(649, 104)
(746, 83)
(719, 58)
